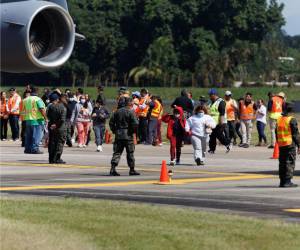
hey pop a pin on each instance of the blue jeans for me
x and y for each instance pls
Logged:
(98, 129)
(33, 137)
(14, 125)
(261, 131)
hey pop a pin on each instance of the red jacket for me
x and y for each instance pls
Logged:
(170, 119)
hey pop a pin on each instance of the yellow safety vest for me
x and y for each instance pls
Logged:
(284, 132)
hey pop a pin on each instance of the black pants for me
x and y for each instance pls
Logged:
(69, 132)
(14, 126)
(143, 127)
(261, 131)
(218, 133)
(57, 139)
(3, 128)
(231, 130)
(287, 159)
(23, 133)
(118, 149)
(238, 130)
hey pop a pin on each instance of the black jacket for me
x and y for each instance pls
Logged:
(123, 124)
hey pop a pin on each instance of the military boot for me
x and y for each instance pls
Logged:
(288, 184)
(133, 172)
(113, 171)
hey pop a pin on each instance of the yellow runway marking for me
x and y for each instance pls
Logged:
(25, 164)
(129, 183)
(297, 210)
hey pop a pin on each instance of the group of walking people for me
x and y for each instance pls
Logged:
(137, 119)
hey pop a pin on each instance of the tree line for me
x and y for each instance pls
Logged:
(175, 43)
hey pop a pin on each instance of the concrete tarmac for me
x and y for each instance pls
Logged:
(243, 182)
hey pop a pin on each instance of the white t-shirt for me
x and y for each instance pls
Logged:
(261, 114)
(197, 123)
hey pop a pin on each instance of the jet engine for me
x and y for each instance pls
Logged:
(35, 36)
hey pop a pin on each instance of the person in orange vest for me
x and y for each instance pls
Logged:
(154, 112)
(275, 106)
(135, 101)
(3, 116)
(231, 110)
(247, 110)
(13, 105)
(288, 138)
(142, 115)
(159, 122)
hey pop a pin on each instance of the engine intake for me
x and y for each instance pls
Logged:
(41, 39)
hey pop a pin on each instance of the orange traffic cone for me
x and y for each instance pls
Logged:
(164, 177)
(276, 152)
(107, 137)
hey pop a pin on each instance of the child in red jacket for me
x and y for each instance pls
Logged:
(175, 133)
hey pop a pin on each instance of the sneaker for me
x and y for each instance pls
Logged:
(72, 141)
(211, 152)
(3, 139)
(99, 148)
(172, 163)
(228, 148)
(271, 146)
(80, 146)
(198, 161)
(69, 144)
(38, 152)
(177, 162)
(160, 144)
(84, 145)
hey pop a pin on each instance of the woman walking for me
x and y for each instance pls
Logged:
(261, 122)
(81, 117)
(199, 126)
(3, 116)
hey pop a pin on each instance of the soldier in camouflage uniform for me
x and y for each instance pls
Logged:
(123, 124)
(57, 129)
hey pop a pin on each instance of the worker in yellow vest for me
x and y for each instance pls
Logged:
(34, 113)
(288, 139)
(275, 106)
(231, 111)
(155, 108)
(217, 110)
(247, 111)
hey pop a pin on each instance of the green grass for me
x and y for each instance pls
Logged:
(172, 93)
(40, 223)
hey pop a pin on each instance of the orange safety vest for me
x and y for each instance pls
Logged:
(230, 110)
(3, 107)
(12, 103)
(247, 112)
(284, 132)
(156, 110)
(276, 110)
(142, 112)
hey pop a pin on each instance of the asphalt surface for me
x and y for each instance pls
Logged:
(243, 182)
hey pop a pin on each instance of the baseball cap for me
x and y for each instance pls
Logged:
(212, 92)
(228, 93)
(53, 97)
(281, 94)
(136, 93)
